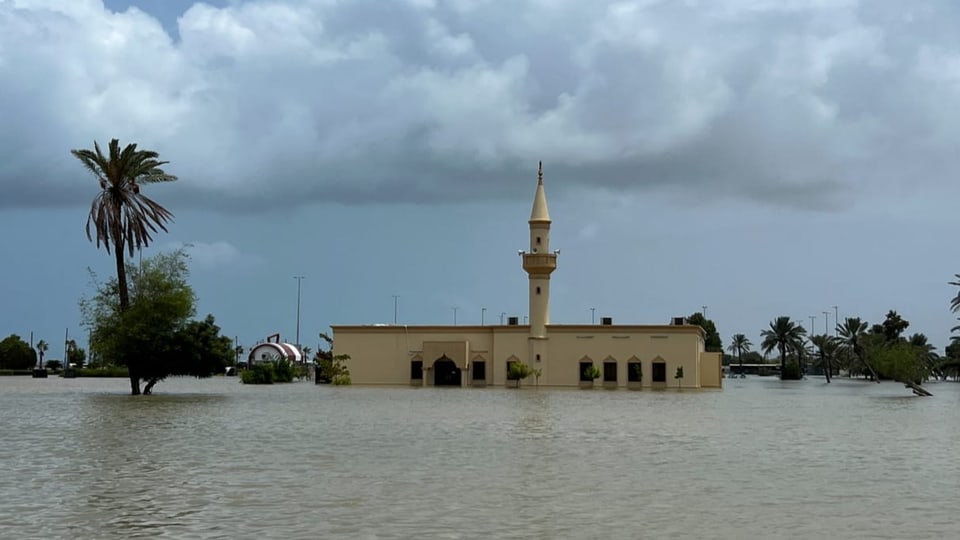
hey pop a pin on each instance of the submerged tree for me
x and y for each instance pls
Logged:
(853, 338)
(42, 349)
(121, 218)
(15, 353)
(739, 344)
(154, 336)
(331, 368)
(785, 336)
(826, 346)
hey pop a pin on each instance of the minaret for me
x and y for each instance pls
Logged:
(539, 263)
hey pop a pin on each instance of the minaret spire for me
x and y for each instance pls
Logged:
(539, 263)
(540, 214)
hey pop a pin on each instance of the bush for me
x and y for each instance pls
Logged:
(791, 372)
(12, 372)
(260, 373)
(592, 372)
(105, 371)
(280, 370)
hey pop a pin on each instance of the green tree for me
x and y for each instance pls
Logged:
(949, 366)
(739, 344)
(15, 353)
(712, 341)
(785, 336)
(678, 375)
(75, 355)
(197, 349)
(154, 337)
(892, 327)
(42, 348)
(331, 368)
(518, 371)
(901, 362)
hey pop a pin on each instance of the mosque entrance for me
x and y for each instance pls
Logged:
(446, 372)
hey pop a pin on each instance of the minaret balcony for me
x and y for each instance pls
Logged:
(539, 263)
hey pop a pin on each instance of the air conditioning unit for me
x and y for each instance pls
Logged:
(606, 321)
(678, 321)
(513, 321)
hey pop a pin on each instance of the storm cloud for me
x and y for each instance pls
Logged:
(810, 105)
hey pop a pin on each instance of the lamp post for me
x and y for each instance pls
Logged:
(396, 298)
(593, 313)
(482, 311)
(826, 322)
(455, 308)
(836, 319)
(502, 313)
(299, 279)
(812, 319)
(704, 312)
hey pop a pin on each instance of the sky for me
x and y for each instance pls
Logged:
(757, 157)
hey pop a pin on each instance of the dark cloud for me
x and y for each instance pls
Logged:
(263, 104)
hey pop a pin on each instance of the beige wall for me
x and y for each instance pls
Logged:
(711, 370)
(382, 355)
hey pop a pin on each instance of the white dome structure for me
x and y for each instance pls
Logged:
(273, 349)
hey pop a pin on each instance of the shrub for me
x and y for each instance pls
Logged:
(260, 373)
(791, 372)
(283, 370)
(592, 372)
(105, 371)
(518, 371)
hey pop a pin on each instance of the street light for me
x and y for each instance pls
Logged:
(593, 312)
(299, 279)
(836, 320)
(455, 308)
(826, 322)
(502, 313)
(396, 297)
(812, 319)
(482, 311)
(704, 313)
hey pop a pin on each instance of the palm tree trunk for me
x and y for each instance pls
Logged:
(740, 358)
(122, 277)
(783, 359)
(124, 293)
(826, 364)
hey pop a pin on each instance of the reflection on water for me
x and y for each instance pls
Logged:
(215, 459)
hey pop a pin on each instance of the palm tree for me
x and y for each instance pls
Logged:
(42, 348)
(927, 353)
(740, 344)
(123, 218)
(852, 334)
(955, 302)
(783, 335)
(827, 347)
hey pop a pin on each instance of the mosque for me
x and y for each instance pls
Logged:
(562, 355)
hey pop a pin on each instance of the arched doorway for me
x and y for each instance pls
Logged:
(446, 372)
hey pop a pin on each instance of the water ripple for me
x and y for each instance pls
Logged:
(214, 459)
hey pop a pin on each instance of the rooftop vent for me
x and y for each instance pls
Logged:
(513, 321)
(678, 321)
(606, 321)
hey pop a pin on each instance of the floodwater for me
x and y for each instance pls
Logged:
(216, 459)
